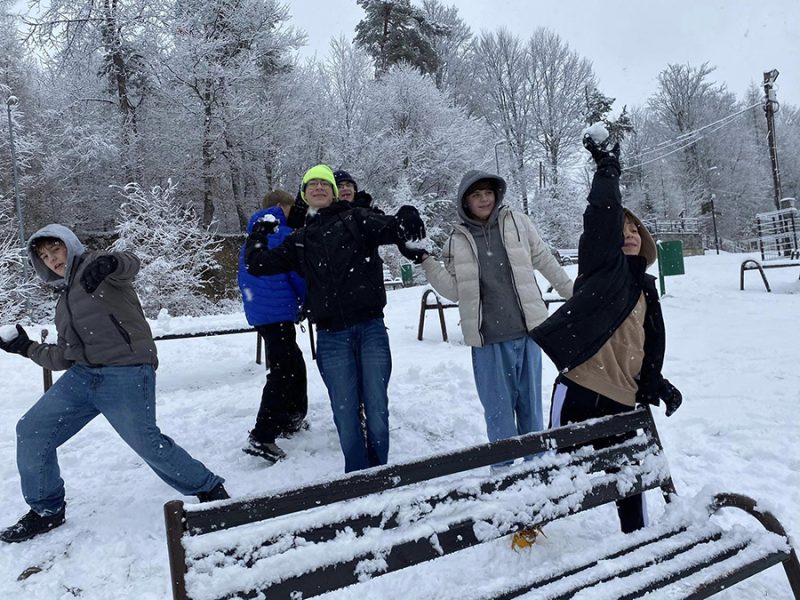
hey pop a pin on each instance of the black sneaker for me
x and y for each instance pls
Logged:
(31, 525)
(218, 492)
(270, 452)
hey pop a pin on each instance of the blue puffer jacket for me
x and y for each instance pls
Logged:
(271, 298)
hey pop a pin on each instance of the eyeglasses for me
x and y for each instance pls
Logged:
(313, 183)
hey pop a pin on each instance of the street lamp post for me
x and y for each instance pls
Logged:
(714, 221)
(13, 101)
(496, 157)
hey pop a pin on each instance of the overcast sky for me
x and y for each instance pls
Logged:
(628, 41)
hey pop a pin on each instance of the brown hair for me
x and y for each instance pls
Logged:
(277, 198)
(40, 242)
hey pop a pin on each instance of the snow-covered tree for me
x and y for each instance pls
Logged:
(394, 32)
(15, 288)
(558, 79)
(176, 250)
(502, 95)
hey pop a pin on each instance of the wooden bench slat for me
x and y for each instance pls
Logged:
(201, 519)
(327, 529)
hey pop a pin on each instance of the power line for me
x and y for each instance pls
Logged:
(691, 136)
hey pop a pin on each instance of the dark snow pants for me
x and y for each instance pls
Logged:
(284, 400)
(573, 403)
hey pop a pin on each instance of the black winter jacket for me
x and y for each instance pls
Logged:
(606, 290)
(336, 254)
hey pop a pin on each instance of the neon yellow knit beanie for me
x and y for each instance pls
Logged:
(323, 172)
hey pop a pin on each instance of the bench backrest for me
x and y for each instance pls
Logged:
(778, 234)
(307, 541)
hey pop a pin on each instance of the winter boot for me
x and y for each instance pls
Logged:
(270, 452)
(218, 492)
(295, 425)
(31, 525)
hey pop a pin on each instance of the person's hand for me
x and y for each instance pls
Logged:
(671, 396)
(97, 270)
(602, 156)
(19, 344)
(297, 213)
(415, 255)
(362, 199)
(264, 227)
(410, 224)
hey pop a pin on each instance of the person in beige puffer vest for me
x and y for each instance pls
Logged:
(488, 267)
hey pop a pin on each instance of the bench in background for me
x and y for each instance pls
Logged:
(777, 243)
(439, 306)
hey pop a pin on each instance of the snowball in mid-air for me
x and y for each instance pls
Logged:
(598, 132)
(8, 332)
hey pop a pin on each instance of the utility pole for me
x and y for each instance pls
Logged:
(770, 108)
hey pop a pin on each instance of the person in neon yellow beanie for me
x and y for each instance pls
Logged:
(336, 253)
(322, 174)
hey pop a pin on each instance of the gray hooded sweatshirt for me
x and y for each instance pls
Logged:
(103, 329)
(489, 269)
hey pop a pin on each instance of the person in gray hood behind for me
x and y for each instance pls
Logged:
(489, 264)
(107, 349)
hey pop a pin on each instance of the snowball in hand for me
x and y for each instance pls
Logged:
(598, 132)
(8, 332)
(268, 219)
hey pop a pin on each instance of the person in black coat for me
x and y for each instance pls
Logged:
(608, 340)
(345, 296)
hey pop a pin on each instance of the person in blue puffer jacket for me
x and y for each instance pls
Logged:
(273, 304)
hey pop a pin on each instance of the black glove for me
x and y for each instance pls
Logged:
(19, 345)
(297, 213)
(264, 228)
(604, 157)
(362, 199)
(415, 255)
(410, 224)
(97, 270)
(670, 395)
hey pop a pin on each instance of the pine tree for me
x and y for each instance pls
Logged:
(394, 32)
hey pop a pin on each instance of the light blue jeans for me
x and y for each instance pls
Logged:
(508, 376)
(355, 364)
(125, 396)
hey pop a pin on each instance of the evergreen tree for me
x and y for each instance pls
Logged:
(394, 31)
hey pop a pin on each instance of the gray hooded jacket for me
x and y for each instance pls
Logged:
(458, 276)
(103, 329)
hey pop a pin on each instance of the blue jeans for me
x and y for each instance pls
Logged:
(508, 376)
(355, 364)
(126, 397)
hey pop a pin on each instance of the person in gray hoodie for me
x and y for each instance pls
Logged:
(488, 267)
(107, 349)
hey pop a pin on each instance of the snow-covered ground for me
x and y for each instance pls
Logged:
(735, 356)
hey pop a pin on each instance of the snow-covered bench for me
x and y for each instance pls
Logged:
(299, 543)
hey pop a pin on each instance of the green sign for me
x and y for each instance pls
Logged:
(670, 260)
(407, 274)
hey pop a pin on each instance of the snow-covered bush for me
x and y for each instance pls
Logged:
(15, 288)
(176, 251)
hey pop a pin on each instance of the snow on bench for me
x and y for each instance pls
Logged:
(307, 541)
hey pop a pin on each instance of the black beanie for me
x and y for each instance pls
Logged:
(342, 176)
